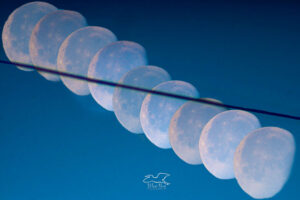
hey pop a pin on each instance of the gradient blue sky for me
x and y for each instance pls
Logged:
(55, 145)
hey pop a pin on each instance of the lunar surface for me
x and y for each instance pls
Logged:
(47, 36)
(110, 64)
(263, 161)
(127, 103)
(18, 28)
(157, 111)
(77, 51)
(186, 127)
(220, 138)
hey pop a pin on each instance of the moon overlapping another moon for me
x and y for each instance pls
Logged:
(18, 28)
(110, 64)
(230, 144)
(47, 36)
(220, 138)
(76, 52)
(127, 103)
(157, 111)
(186, 127)
(263, 161)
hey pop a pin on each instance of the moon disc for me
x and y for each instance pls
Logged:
(110, 64)
(48, 35)
(220, 138)
(127, 103)
(76, 52)
(186, 126)
(263, 161)
(18, 28)
(157, 111)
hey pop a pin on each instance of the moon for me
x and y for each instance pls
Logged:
(76, 52)
(127, 103)
(220, 138)
(47, 36)
(157, 111)
(110, 64)
(18, 28)
(263, 161)
(186, 126)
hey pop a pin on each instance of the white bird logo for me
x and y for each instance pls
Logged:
(159, 178)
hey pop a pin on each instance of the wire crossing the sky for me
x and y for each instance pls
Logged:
(161, 93)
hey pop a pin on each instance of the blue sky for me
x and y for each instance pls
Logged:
(55, 145)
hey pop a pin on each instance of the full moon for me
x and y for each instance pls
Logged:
(110, 64)
(186, 126)
(76, 52)
(48, 35)
(127, 103)
(263, 161)
(157, 111)
(18, 28)
(220, 138)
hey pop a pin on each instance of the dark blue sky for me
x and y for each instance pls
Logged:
(55, 145)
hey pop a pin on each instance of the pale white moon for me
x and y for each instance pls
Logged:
(157, 111)
(186, 126)
(220, 138)
(48, 35)
(110, 64)
(18, 28)
(127, 103)
(77, 51)
(263, 161)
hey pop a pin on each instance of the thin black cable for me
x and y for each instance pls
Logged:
(113, 84)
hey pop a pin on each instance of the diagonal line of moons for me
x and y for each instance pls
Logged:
(161, 93)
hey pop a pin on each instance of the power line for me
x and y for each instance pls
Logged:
(161, 93)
